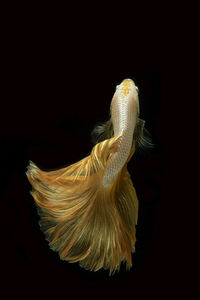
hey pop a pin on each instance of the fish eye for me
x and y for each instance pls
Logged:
(137, 89)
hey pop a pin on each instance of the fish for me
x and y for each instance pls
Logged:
(89, 210)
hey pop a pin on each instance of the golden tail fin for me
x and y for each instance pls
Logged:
(81, 219)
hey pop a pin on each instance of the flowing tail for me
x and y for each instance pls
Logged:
(82, 220)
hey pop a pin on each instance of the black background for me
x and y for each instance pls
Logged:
(53, 99)
(49, 122)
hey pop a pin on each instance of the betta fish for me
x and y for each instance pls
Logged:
(89, 210)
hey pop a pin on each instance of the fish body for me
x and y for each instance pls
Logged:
(124, 112)
(89, 210)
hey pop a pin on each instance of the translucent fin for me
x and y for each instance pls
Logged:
(102, 132)
(141, 135)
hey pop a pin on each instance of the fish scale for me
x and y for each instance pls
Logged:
(123, 115)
